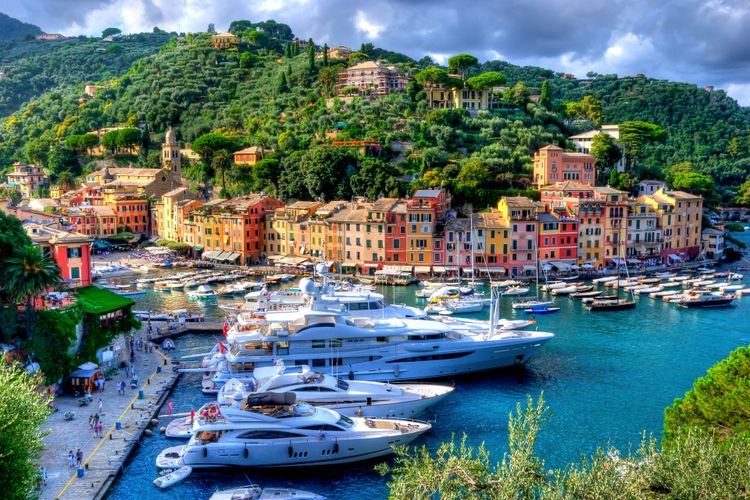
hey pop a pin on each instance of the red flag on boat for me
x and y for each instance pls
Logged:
(226, 327)
(221, 347)
(192, 415)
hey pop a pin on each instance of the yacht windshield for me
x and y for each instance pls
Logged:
(342, 384)
(345, 422)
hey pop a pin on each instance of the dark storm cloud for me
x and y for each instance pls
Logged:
(702, 41)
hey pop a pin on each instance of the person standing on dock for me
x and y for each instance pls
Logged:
(71, 459)
(79, 457)
(101, 403)
(43, 476)
(169, 408)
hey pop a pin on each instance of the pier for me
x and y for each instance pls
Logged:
(105, 456)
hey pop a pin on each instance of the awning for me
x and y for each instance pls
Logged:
(634, 261)
(575, 267)
(292, 260)
(529, 268)
(500, 270)
(561, 266)
(547, 267)
(275, 257)
(618, 262)
(372, 266)
(231, 256)
(390, 271)
(439, 269)
(348, 264)
(422, 269)
(198, 249)
(83, 373)
(404, 269)
(210, 254)
(674, 257)
(94, 300)
(588, 266)
(451, 269)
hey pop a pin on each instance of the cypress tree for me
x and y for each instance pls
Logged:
(544, 98)
(282, 86)
(311, 55)
(325, 55)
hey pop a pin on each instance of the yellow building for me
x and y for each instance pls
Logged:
(223, 41)
(681, 219)
(287, 229)
(27, 179)
(143, 181)
(493, 234)
(453, 98)
(166, 215)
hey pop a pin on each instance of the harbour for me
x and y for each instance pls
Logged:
(606, 377)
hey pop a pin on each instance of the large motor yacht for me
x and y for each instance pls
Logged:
(291, 436)
(348, 397)
(379, 350)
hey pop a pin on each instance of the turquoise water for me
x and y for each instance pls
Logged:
(606, 377)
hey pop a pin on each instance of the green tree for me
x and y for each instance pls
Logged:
(110, 32)
(634, 135)
(248, 60)
(23, 411)
(26, 276)
(718, 402)
(375, 178)
(432, 75)
(208, 146)
(461, 63)
(743, 194)
(486, 80)
(606, 151)
(237, 27)
(128, 138)
(545, 100)
(325, 55)
(588, 108)
(474, 175)
(265, 174)
(311, 56)
(54, 335)
(683, 176)
(221, 162)
(109, 141)
(518, 94)
(62, 159)
(327, 172)
(282, 87)
(13, 196)
(66, 180)
(12, 236)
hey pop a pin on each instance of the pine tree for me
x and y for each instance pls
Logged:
(544, 99)
(283, 86)
(614, 178)
(311, 55)
(289, 78)
(325, 55)
(288, 50)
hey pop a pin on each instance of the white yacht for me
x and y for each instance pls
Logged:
(291, 436)
(255, 492)
(379, 350)
(348, 397)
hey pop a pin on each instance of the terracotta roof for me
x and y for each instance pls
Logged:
(569, 186)
(250, 150)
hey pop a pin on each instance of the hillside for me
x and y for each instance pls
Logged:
(13, 29)
(32, 67)
(269, 95)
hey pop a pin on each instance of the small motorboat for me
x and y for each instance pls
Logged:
(526, 304)
(565, 290)
(604, 279)
(255, 492)
(599, 305)
(202, 292)
(709, 300)
(515, 290)
(514, 324)
(168, 344)
(173, 477)
(646, 291)
(583, 295)
(542, 310)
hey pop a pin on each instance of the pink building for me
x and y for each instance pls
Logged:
(521, 213)
(552, 164)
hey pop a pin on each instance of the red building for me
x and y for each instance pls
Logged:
(71, 252)
(552, 164)
(395, 234)
(558, 238)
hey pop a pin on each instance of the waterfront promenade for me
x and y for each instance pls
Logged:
(103, 457)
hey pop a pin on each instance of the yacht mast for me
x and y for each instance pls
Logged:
(471, 241)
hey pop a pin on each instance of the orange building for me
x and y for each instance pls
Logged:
(423, 211)
(552, 164)
(248, 156)
(71, 252)
(223, 40)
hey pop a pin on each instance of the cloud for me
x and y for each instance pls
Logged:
(699, 41)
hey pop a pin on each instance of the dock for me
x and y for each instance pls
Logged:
(126, 418)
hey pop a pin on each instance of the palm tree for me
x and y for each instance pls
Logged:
(66, 180)
(26, 276)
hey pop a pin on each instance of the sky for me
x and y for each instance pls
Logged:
(704, 42)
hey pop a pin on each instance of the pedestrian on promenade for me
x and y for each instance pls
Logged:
(169, 408)
(121, 387)
(150, 407)
(96, 418)
(43, 476)
(100, 405)
(91, 421)
(100, 429)
(79, 457)
(71, 459)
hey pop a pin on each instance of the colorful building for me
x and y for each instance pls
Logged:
(558, 239)
(552, 164)
(521, 214)
(94, 221)
(248, 156)
(71, 252)
(224, 41)
(165, 214)
(27, 178)
(680, 217)
(644, 234)
(424, 211)
(372, 78)
(615, 218)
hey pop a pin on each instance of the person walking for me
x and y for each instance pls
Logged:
(100, 429)
(79, 457)
(169, 408)
(71, 459)
(43, 476)
(101, 403)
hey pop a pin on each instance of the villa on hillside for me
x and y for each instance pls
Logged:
(372, 78)
(552, 164)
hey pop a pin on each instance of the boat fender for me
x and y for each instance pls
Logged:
(147, 432)
(162, 429)
(205, 452)
(291, 451)
(246, 453)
